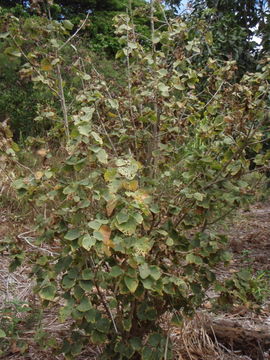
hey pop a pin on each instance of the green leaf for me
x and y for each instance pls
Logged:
(244, 274)
(148, 283)
(12, 51)
(84, 129)
(96, 137)
(86, 285)
(68, 25)
(98, 235)
(194, 259)
(116, 271)
(147, 353)
(122, 217)
(84, 204)
(146, 312)
(70, 189)
(127, 323)
(136, 343)
(154, 339)
(123, 348)
(2, 334)
(78, 292)
(98, 337)
(131, 283)
(76, 348)
(91, 315)
(164, 89)
(67, 282)
(144, 271)
(48, 292)
(88, 241)
(4, 35)
(19, 184)
(85, 305)
(127, 228)
(143, 244)
(102, 156)
(63, 264)
(226, 256)
(155, 272)
(65, 312)
(138, 218)
(72, 234)
(87, 274)
(128, 167)
(103, 325)
(95, 224)
(113, 103)
(73, 273)
(198, 196)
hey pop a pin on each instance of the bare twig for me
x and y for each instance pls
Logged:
(63, 101)
(129, 90)
(166, 346)
(106, 132)
(28, 241)
(76, 32)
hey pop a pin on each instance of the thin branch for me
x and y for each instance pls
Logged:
(108, 92)
(106, 132)
(28, 241)
(106, 306)
(63, 101)
(76, 32)
(6, 173)
(166, 346)
(215, 94)
(129, 89)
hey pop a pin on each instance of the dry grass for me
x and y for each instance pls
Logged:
(192, 342)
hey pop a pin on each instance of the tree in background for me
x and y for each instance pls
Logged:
(71, 7)
(235, 26)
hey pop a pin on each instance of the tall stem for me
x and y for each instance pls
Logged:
(154, 145)
(130, 86)
(63, 101)
(60, 85)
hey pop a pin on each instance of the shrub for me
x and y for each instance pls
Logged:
(144, 174)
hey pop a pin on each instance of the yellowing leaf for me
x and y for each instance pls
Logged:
(46, 65)
(131, 283)
(142, 196)
(112, 115)
(38, 175)
(106, 231)
(109, 174)
(111, 204)
(131, 185)
(42, 152)
(48, 292)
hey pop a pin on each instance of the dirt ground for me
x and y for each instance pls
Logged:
(249, 236)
